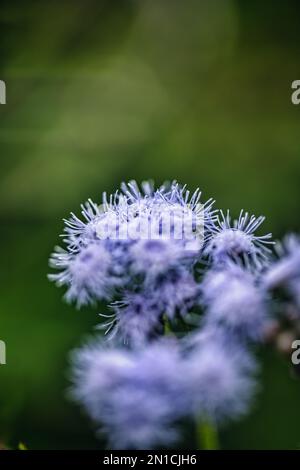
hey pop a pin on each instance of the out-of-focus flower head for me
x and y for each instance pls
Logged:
(287, 266)
(155, 257)
(135, 320)
(220, 374)
(88, 273)
(176, 292)
(139, 317)
(135, 397)
(234, 299)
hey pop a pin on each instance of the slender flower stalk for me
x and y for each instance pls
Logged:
(207, 436)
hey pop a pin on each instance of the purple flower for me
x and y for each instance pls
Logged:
(220, 374)
(135, 320)
(138, 238)
(234, 299)
(139, 317)
(175, 292)
(156, 257)
(171, 197)
(141, 250)
(138, 397)
(287, 267)
(87, 273)
(237, 239)
(135, 397)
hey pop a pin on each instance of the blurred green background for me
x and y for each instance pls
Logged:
(104, 91)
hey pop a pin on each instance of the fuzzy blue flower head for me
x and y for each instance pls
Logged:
(221, 377)
(287, 266)
(135, 320)
(238, 239)
(135, 397)
(169, 265)
(284, 273)
(88, 273)
(138, 234)
(234, 299)
(176, 293)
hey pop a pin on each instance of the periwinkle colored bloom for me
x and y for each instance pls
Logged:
(121, 229)
(138, 396)
(87, 273)
(287, 268)
(220, 374)
(238, 239)
(79, 232)
(135, 397)
(141, 250)
(135, 320)
(234, 299)
(171, 212)
(175, 292)
(139, 317)
(154, 257)
(172, 198)
(182, 196)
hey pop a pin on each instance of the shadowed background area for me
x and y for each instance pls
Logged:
(99, 92)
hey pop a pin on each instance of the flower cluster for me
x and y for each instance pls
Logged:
(140, 245)
(190, 290)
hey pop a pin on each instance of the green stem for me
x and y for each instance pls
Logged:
(167, 326)
(207, 436)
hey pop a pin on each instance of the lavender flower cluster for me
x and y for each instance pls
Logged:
(186, 307)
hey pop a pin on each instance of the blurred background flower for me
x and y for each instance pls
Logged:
(99, 92)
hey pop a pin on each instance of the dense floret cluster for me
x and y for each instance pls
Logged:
(189, 291)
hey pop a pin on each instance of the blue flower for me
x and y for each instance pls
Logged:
(235, 300)
(176, 292)
(156, 257)
(139, 317)
(168, 205)
(135, 397)
(140, 236)
(141, 250)
(238, 239)
(287, 266)
(221, 377)
(88, 273)
(135, 320)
